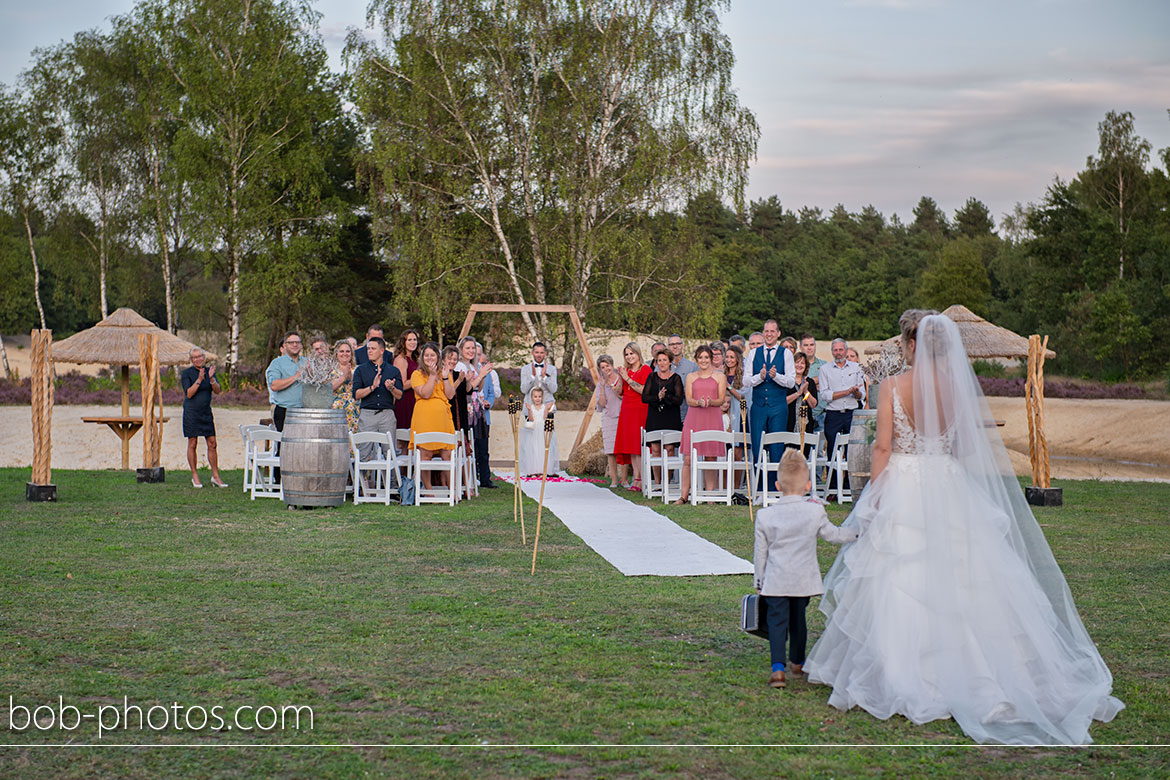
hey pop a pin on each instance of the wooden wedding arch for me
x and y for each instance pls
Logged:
(515, 308)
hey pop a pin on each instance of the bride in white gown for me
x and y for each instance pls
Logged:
(950, 603)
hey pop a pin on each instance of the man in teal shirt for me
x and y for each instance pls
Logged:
(284, 379)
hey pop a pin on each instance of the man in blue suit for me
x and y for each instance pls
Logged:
(772, 374)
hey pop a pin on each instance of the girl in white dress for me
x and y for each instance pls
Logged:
(532, 437)
(950, 603)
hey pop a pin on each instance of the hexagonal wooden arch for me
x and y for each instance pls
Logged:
(515, 308)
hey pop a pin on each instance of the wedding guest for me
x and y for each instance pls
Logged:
(475, 376)
(787, 571)
(739, 342)
(343, 397)
(433, 391)
(532, 451)
(663, 394)
(805, 393)
(406, 361)
(736, 390)
(755, 339)
(706, 390)
(808, 345)
(632, 419)
(450, 363)
(717, 352)
(283, 376)
(199, 383)
(489, 392)
(842, 391)
(353, 343)
(609, 405)
(361, 356)
(540, 372)
(319, 346)
(655, 348)
(851, 354)
(789, 344)
(376, 386)
(682, 366)
(770, 372)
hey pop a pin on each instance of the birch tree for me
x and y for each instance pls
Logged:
(550, 124)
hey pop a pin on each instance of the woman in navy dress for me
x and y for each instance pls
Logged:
(199, 383)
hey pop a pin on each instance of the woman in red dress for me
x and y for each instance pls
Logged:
(628, 444)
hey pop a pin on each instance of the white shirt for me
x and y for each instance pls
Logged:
(833, 379)
(785, 378)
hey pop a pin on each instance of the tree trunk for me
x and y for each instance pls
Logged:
(160, 226)
(4, 359)
(102, 241)
(32, 250)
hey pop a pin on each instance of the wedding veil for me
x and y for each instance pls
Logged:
(951, 419)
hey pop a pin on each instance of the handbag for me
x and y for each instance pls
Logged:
(753, 615)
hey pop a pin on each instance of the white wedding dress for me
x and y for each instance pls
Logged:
(950, 603)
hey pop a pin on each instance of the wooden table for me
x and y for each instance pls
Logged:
(125, 427)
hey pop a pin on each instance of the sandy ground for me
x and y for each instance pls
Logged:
(1087, 438)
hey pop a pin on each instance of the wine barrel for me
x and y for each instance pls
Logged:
(860, 452)
(314, 457)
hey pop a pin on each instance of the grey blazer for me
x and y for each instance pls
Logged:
(786, 546)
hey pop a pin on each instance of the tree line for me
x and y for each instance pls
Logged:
(198, 161)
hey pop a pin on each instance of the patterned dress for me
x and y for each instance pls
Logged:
(343, 399)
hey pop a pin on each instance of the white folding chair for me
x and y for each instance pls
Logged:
(650, 487)
(405, 456)
(437, 494)
(721, 466)
(470, 478)
(770, 469)
(265, 462)
(671, 464)
(839, 464)
(248, 450)
(376, 468)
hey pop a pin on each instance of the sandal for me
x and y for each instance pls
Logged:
(635, 486)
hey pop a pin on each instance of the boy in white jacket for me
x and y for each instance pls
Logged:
(787, 572)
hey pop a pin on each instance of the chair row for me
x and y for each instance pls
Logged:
(659, 470)
(376, 479)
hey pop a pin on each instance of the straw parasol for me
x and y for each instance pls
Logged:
(981, 339)
(114, 341)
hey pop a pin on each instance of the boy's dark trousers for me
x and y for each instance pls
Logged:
(786, 621)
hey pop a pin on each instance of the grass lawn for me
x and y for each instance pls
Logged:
(422, 625)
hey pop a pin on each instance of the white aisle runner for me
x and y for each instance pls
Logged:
(635, 539)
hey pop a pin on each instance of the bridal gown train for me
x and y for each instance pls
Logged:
(950, 603)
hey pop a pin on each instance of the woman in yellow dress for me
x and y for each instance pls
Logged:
(432, 405)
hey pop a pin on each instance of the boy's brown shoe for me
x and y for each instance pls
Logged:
(796, 669)
(777, 679)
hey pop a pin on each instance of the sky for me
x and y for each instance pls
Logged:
(872, 102)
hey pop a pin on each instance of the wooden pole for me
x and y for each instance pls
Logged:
(548, 431)
(42, 407)
(156, 451)
(1029, 406)
(514, 405)
(748, 461)
(580, 331)
(144, 374)
(1045, 473)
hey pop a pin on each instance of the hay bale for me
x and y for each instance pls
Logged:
(589, 457)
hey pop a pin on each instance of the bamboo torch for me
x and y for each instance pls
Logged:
(747, 459)
(514, 405)
(548, 432)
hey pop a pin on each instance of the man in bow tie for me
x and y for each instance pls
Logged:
(770, 371)
(538, 373)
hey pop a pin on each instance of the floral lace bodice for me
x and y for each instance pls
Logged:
(908, 441)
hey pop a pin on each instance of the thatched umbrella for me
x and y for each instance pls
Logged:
(981, 339)
(114, 341)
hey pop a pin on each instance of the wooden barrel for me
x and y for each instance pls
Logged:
(860, 452)
(314, 457)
